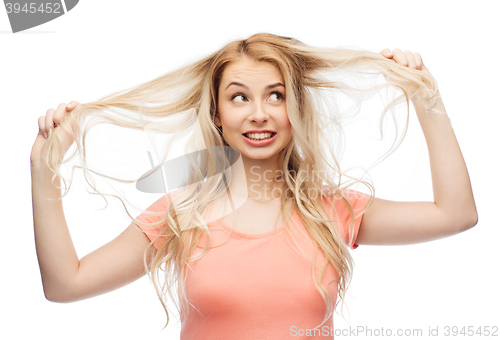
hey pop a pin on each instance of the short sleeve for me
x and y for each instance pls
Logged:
(160, 207)
(151, 232)
(341, 214)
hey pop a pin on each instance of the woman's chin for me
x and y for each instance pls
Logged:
(259, 155)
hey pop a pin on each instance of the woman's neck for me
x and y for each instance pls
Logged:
(258, 179)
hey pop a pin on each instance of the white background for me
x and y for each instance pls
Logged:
(104, 46)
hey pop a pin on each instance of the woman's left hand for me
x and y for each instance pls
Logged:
(406, 58)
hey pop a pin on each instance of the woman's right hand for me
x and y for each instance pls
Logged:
(65, 277)
(51, 120)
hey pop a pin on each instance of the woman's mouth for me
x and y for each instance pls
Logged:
(259, 139)
(259, 136)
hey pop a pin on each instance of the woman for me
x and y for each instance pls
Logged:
(231, 263)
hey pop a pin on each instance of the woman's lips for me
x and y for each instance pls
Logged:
(263, 142)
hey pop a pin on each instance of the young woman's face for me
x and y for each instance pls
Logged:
(252, 98)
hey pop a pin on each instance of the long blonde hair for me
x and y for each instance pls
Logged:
(191, 93)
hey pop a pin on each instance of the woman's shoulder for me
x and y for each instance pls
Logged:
(335, 197)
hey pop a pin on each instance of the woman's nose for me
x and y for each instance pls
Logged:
(259, 114)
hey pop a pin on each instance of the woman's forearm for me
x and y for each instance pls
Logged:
(450, 178)
(55, 250)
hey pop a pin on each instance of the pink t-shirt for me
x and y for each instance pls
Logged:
(258, 286)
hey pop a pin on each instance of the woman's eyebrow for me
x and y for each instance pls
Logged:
(272, 86)
(243, 85)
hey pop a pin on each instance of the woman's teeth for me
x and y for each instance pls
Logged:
(259, 136)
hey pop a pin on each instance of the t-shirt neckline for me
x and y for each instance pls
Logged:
(274, 232)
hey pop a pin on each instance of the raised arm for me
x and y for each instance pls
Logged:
(66, 278)
(453, 210)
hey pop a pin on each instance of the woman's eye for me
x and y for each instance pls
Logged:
(275, 96)
(239, 98)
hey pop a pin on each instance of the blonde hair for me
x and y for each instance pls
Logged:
(191, 93)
